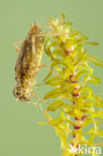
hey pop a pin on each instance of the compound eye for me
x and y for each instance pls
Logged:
(16, 92)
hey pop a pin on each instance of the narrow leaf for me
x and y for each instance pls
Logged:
(53, 93)
(97, 113)
(55, 122)
(95, 60)
(94, 79)
(53, 81)
(93, 43)
(55, 105)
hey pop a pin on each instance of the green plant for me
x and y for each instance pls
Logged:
(73, 97)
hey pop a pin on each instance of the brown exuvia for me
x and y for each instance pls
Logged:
(28, 63)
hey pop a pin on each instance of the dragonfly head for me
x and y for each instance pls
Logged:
(20, 94)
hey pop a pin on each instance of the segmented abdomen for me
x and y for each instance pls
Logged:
(29, 58)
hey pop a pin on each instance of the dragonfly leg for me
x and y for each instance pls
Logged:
(16, 46)
(51, 70)
(39, 99)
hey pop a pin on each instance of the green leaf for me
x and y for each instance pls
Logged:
(86, 92)
(94, 79)
(56, 63)
(62, 131)
(83, 140)
(58, 52)
(93, 43)
(72, 111)
(49, 46)
(83, 70)
(65, 74)
(55, 105)
(53, 81)
(90, 78)
(55, 122)
(65, 127)
(47, 115)
(69, 63)
(67, 108)
(95, 60)
(81, 57)
(83, 36)
(63, 137)
(42, 123)
(62, 17)
(53, 93)
(97, 113)
(68, 87)
(67, 97)
(98, 101)
(97, 132)
(88, 110)
(86, 122)
(85, 80)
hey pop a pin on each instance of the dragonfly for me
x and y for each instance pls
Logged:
(28, 64)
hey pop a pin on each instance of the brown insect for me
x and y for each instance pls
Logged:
(28, 64)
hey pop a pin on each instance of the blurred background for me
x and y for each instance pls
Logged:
(20, 135)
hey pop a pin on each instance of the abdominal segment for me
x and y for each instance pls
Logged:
(28, 60)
